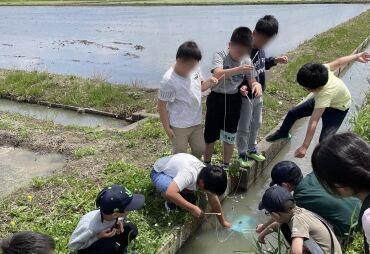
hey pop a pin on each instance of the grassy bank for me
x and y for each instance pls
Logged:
(361, 124)
(71, 90)
(170, 2)
(53, 205)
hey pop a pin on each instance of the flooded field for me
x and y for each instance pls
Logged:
(242, 209)
(137, 44)
(19, 166)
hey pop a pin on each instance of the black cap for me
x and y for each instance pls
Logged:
(275, 199)
(286, 172)
(118, 199)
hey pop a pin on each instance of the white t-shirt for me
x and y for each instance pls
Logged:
(182, 167)
(366, 224)
(183, 97)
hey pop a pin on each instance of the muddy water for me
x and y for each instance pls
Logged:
(124, 44)
(18, 167)
(61, 116)
(242, 209)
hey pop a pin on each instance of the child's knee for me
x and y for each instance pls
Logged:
(131, 229)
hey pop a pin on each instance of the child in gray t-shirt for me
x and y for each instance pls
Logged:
(231, 67)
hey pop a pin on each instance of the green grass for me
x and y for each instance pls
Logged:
(84, 151)
(166, 2)
(361, 124)
(71, 90)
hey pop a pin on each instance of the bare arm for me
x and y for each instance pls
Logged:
(362, 57)
(173, 195)
(268, 230)
(262, 227)
(256, 87)
(219, 72)
(297, 245)
(163, 115)
(312, 124)
(209, 83)
(215, 204)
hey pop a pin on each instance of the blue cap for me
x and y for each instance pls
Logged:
(118, 199)
(275, 199)
(286, 172)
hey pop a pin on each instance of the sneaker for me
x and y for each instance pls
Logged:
(170, 207)
(244, 162)
(276, 136)
(255, 155)
(207, 164)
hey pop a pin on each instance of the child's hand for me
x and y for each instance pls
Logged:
(257, 89)
(226, 224)
(196, 212)
(245, 68)
(300, 152)
(107, 233)
(363, 57)
(171, 135)
(281, 60)
(244, 91)
(212, 82)
(120, 228)
(259, 228)
(261, 238)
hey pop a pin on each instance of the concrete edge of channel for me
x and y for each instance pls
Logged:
(180, 234)
(81, 110)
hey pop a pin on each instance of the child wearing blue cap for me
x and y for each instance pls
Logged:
(104, 230)
(303, 229)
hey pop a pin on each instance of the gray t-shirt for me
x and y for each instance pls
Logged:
(222, 59)
(85, 233)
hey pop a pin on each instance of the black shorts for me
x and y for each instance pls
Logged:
(218, 125)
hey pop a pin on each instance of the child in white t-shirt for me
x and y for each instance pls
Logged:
(180, 100)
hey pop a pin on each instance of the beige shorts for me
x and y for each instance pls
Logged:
(192, 136)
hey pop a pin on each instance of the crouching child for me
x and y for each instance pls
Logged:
(177, 176)
(105, 230)
(303, 230)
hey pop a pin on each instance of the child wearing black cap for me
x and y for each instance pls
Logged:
(104, 230)
(304, 226)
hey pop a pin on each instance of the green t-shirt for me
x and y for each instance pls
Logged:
(310, 194)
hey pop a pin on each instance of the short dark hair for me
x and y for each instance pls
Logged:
(242, 36)
(313, 75)
(342, 160)
(28, 243)
(189, 50)
(214, 179)
(268, 26)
